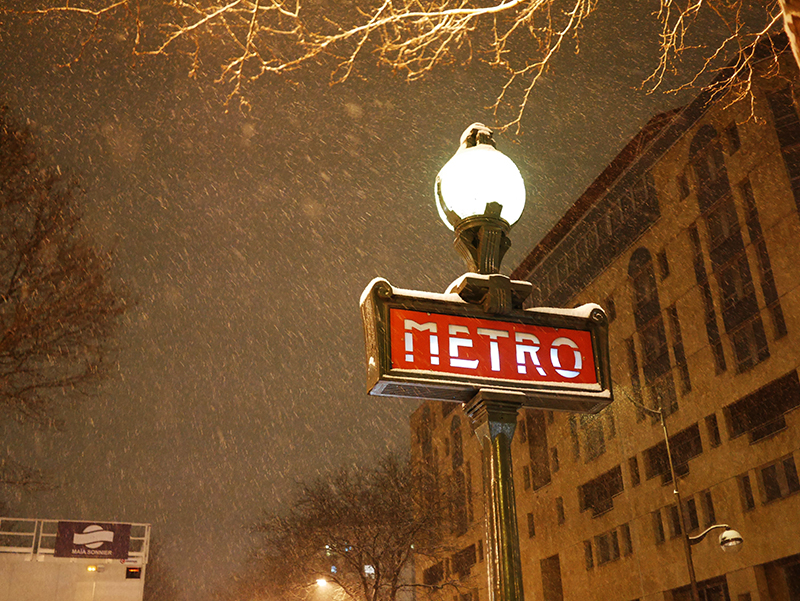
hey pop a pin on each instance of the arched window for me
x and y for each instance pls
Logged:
(708, 162)
(652, 334)
(729, 261)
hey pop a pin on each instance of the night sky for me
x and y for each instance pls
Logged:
(246, 238)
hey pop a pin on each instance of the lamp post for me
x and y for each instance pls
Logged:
(486, 350)
(480, 195)
(730, 540)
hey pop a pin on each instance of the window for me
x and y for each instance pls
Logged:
(709, 515)
(636, 387)
(603, 546)
(779, 479)
(434, 574)
(732, 134)
(750, 344)
(760, 414)
(675, 529)
(633, 468)
(663, 264)
(677, 349)
(683, 185)
(560, 510)
(658, 527)
(587, 554)
(538, 449)
(522, 435)
(554, 459)
(764, 264)
(463, 561)
(650, 326)
(552, 589)
(531, 526)
(684, 445)
(457, 447)
(598, 494)
(594, 441)
(713, 430)
(746, 493)
(611, 309)
(712, 329)
(526, 478)
(611, 425)
(692, 520)
(787, 127)
(627, 543)
(573, 433)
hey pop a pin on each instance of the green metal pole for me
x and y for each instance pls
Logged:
(494, 419)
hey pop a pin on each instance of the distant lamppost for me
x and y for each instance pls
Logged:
(730, 540)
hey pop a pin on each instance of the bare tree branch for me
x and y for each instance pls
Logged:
(358, 529)
(244, 40)
(58, 302)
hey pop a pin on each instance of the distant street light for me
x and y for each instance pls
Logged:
(321, 582)
(730, 540)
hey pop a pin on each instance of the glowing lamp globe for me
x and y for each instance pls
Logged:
(480, 195)
(479, 181)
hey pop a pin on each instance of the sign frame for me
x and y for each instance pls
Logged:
(380, 297)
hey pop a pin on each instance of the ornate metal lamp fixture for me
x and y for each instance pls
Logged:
(480, 195)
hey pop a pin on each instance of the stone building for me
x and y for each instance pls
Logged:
(690, 240)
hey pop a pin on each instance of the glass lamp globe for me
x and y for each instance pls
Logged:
(479, 181)
(730, 541)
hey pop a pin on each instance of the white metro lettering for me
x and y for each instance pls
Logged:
(494, 348)
(409, 325)
(456, 343)
(567, 373)
(531, 350)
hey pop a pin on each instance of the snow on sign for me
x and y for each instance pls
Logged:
(436, 346)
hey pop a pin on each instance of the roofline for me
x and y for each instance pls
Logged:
(650, 144)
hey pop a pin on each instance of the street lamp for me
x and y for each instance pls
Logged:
(730, 540)
(480, 195)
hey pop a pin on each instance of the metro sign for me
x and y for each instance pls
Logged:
(438, 347)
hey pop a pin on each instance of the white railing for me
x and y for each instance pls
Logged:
(37, 538)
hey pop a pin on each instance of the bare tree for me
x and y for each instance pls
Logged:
(59, 303)
(244, 40)
(356, 530)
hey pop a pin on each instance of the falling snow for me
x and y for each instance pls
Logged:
(245, 237)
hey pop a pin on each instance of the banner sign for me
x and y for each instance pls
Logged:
(438, 347)
(92, 540)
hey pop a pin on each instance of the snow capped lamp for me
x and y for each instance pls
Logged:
(480, 195)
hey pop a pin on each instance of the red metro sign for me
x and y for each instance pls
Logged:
(439, 347)
(489, 348)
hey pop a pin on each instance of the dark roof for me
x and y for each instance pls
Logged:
(655, 138)
(624, 159)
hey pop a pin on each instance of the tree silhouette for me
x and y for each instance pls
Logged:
(356, 530)
(59, 302)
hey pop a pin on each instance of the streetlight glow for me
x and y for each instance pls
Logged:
(477, 176)
(480, 195)
(321, 582)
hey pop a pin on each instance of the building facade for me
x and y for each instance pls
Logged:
(690, 240)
